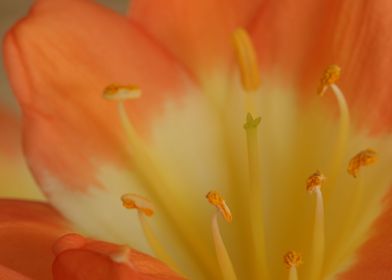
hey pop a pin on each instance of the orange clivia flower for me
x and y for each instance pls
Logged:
(130, 120)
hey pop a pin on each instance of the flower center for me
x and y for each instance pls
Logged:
(254, 201)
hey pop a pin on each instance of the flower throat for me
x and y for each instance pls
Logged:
(253, 208)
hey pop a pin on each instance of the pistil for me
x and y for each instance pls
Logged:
(250, 82)
(260, 268)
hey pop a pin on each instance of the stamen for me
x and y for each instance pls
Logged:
(363, 158)
(292, 259)
(248, 66)
(134, 201)
(260, 268)
(223, 257)
(157, 182)
(328, 80)
(247, 61)
(120, 92)
(144, 208)
(313, 185)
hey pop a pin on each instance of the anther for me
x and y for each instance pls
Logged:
(331, 76)
(216, 199)
(246, 59)
(363, 158)
(316, 180)
(121, 92)
(134, 201)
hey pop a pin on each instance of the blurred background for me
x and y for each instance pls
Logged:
(10, 12)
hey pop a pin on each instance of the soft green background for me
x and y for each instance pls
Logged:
(10, 12)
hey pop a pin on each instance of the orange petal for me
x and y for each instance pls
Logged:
(196, 32)
(353, 35)
(27, 233)
(300, 38)
(374, 260)
(59, 59)
(283, 30)
(9, 274)
(78, 258)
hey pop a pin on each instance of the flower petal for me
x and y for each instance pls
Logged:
(9, 274)
(59, 60)
(16, 179)
(78, 258)
(197, 32)
(374, 257)
(27, 233)
(283, 30)
(353, 34)
(357, 36)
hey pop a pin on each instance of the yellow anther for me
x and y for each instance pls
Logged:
(216, 199)
(314, 181)
(292, 258)
(121, 92)
(246, 59)
(134, 201)
(363, 158)
(331, 75)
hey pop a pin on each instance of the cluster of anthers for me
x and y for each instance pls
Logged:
(250, 80)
